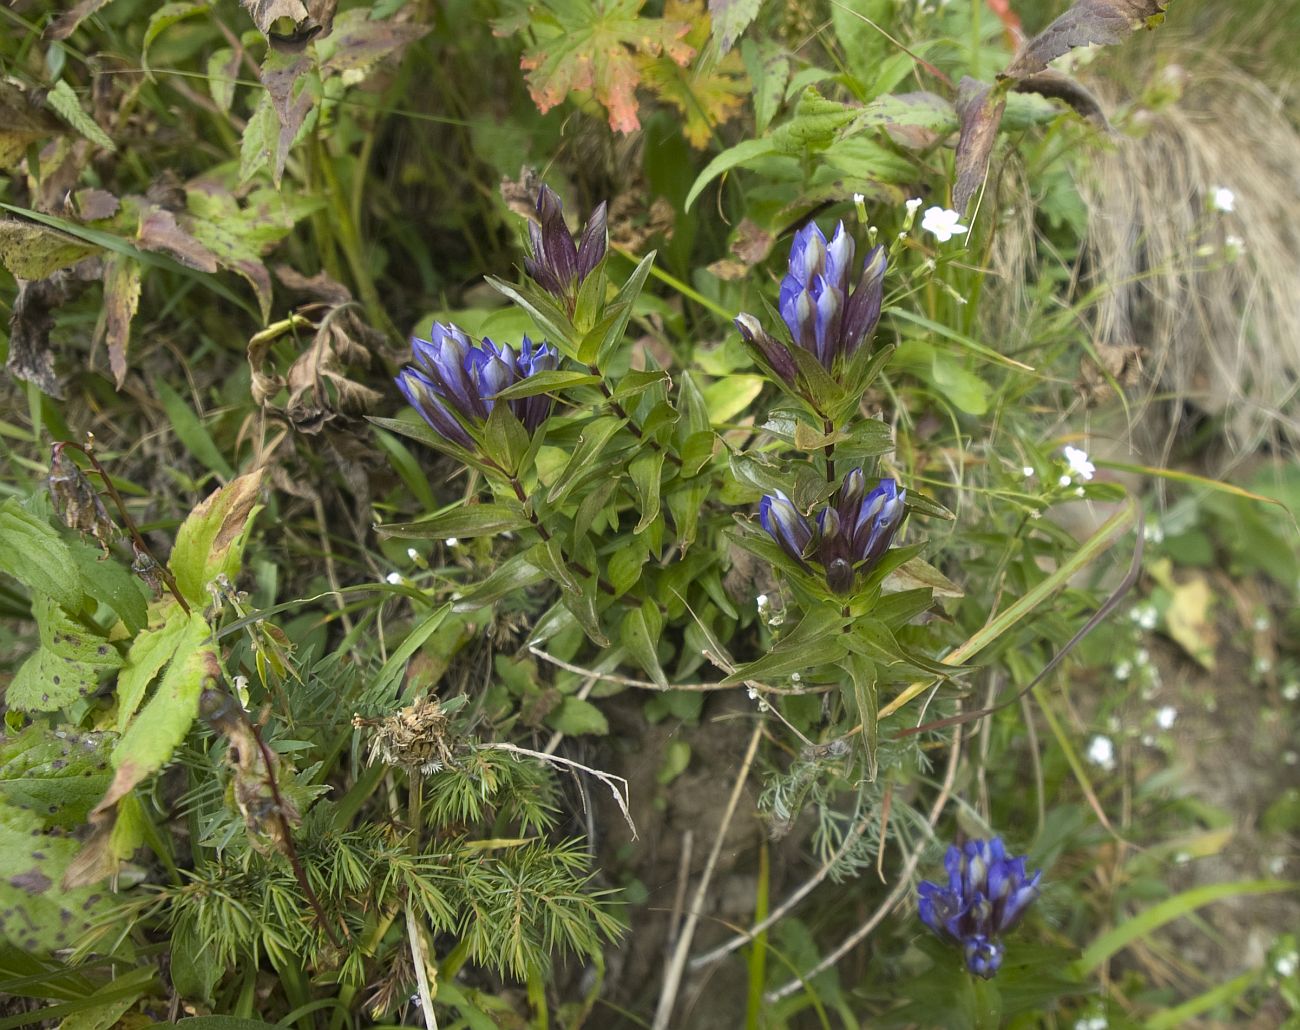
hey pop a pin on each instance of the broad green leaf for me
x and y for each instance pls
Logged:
(635, 636)
(864, 44)
(57, 775)
(505, 439)
(66, 666)
(32, 552)
(646, 471)
(464, 520)
(593, 439)
(547, 381)
(622, 306)
(574, 716)
(727, 398)
(814, 125)
(514, 574)
(730, 19)
(625, 564)
(816, 641)
(211, 540)
(733, 157)
(967, 391)
(36, 914)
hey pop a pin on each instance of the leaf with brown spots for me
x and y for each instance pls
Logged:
(160, 231)
(979, 110)
(121, 298)
(210, 542)
(1087, 22)
(57, 774)
(357, 42)
(31, 250)
(68, 664)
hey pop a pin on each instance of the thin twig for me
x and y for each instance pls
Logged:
(679, 896)
(895, 896)
(784, 908)
(621, 797)
(673, 975)
(421, 970)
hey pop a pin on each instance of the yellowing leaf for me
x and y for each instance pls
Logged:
(211, 540)
(593, 46)
(708, 94)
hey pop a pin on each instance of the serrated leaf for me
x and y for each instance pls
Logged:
(211, 540)
(356, 41)
(769, 70)
(731, 18)
(65, 103)
(707, 94)
(581, 45)
(34, 554)
(222, 73)
(261, 138)
(110, 582)
(149, 652)
(814, 125)
(66, 666)
(57, 775)
(979, 110)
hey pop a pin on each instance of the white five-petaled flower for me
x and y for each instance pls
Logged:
(1224, 199)
(943, 222)
(1101, 751)
(1165, 717)
(1080, 466)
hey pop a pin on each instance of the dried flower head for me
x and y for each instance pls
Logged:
(416, 737)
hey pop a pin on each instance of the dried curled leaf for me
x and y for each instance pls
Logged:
(23, 121)
(1087, 22)
(66, 24)
(979, 110)
(121, 299)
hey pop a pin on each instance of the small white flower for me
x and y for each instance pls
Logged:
(1064, 481)
(413, 554)
(1234, 245)
(1027, 471)
(1142, 656)
(1153, 533)
(1291, 691)
(1287, 964)
(1277, 865)
(1101, 751)
(1165, 717)
(1223, 199)
(795, 677)
(1079, 464)
(452, 541)
(752, 692)
(1262, 623)
(913, 206)
(858, 198)
(1124, 670)
(1034, 513)
(1148, 740)
(1263, 665)
(1080, 491)
(395, 578)
(1291, 758)
(943, 222)
(761, 601)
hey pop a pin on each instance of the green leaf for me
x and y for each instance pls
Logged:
(543, 311)
(33, 553)
(814, 125)
(257, 147)
(636, 637)
(593, 439)
(636, 383)
(211, 540)
(730, 19)
(68, 664)
(575, 716)
(505, 438)
(816, 641)
(727, 398)
(57, 775)
(646, 471)
(967, 391)
(625, 564)
(162, 19)
(864, 44)
(64, 101)
(191, 432)
(110, 582)
(514, 574)
(194, 967)
(30, 250)
(733, 157)
(769, 70)
(547, 381)
(865, 705)
(149, 652)
(622, 306)
(463, 520)
(36, 914)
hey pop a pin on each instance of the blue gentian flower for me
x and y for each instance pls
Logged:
(827, 314)
(987, 893)
(847, 537)
(558, 264)
(453, 381)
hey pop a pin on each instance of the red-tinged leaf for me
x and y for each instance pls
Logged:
(95, 205)
(121, 299)
(707, 95)
(160, 231)
(593, 46)
(1087, 22)
(979, 111)
(284, 78)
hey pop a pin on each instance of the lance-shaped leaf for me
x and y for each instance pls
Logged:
(1087, 22)
(979, 110)
(211, 540)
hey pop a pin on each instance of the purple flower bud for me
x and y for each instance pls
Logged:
(453, 383)
(987, 893)
(785, 524)
(558, 264)
(773, 352)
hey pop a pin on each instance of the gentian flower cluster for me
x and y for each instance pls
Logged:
(827, 315)
(558, 264)
(987, 893)
(847, 538)
(452, 382)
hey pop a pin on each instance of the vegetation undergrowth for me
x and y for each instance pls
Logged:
(594, 512)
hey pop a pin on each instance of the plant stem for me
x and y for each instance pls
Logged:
(633, 428)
